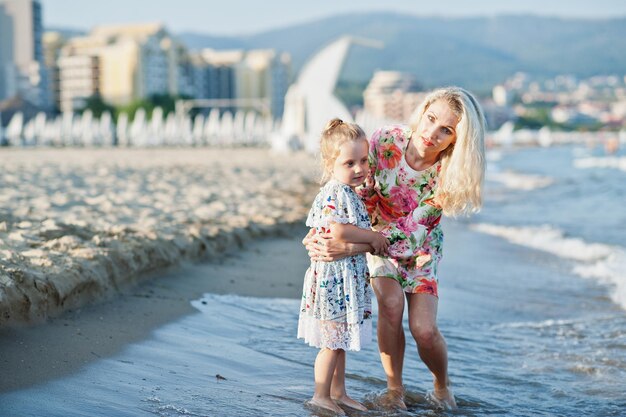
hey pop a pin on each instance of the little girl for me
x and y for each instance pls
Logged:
(335, 314)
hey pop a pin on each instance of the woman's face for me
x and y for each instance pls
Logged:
(437, 129)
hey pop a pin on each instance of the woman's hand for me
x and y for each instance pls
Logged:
(308, 238)
(379, 243)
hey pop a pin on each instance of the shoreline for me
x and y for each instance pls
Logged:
(63, 345)
(80, 225)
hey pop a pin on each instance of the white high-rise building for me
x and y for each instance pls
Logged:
(22, 69)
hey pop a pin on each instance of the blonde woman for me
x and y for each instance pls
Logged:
(417, 173)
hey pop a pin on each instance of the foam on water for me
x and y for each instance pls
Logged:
(606, 263)
(614, 162)
(517, 181)
(548, 239)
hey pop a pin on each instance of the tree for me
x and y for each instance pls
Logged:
(97, 106)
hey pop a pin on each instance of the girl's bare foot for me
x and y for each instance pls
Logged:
(326, 404)
(349, 402)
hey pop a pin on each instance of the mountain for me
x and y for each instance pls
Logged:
(194, 41)
(472, 52)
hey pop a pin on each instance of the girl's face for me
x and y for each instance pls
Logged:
(351, 165)
(437, 129)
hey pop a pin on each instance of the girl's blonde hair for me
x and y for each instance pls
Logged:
(463, 162)
(335, 134)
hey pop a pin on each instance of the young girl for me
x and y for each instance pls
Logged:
(335, 313)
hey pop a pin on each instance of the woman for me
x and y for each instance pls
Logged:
(418, 172)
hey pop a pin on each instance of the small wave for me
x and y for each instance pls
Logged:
(170, 410)
(614, 162)
(603, 262)
(548, 239)
(517, 181)
(609, 271)
(534, 324)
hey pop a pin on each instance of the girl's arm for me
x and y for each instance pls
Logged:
(323, 247)
(350, 233)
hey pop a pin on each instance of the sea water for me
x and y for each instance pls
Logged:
(533, 308)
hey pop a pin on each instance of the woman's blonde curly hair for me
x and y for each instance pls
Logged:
(459, 189)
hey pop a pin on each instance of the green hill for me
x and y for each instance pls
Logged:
(472, 52)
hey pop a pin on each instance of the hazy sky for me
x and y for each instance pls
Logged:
(233, 17)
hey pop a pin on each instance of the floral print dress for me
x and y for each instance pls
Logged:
(401, 205)
(336, 307)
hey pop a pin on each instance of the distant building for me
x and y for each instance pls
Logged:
(52, 44)
(264, 74)
(8, 71)
(237, 74)
(214, 74)
(22, 69)
(496, 115)
(501, 95)
(392, 95)
(133, 62)
(571, 115)
(79, 79)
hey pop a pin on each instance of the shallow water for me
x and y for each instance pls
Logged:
(530, 330)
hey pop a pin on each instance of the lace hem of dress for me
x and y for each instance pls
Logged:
(334, 335)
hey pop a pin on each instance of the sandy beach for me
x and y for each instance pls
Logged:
(79, 225)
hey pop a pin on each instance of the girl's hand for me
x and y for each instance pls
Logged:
(323, 247)
(379, 243)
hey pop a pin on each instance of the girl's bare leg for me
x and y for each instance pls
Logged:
(338, 386)
(391, 341)
(325, 365)
(431, 345)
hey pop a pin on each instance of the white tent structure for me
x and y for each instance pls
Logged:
(310, 102)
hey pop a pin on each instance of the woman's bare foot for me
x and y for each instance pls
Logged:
(326, 404)
(349, 402)
(443, 398)
(393, 399)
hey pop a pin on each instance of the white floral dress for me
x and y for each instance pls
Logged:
(336, 308)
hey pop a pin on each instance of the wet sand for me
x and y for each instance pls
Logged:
(64, 345)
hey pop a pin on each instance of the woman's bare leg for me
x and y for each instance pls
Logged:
(391, 341)
(431, 345)
(338, 386)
